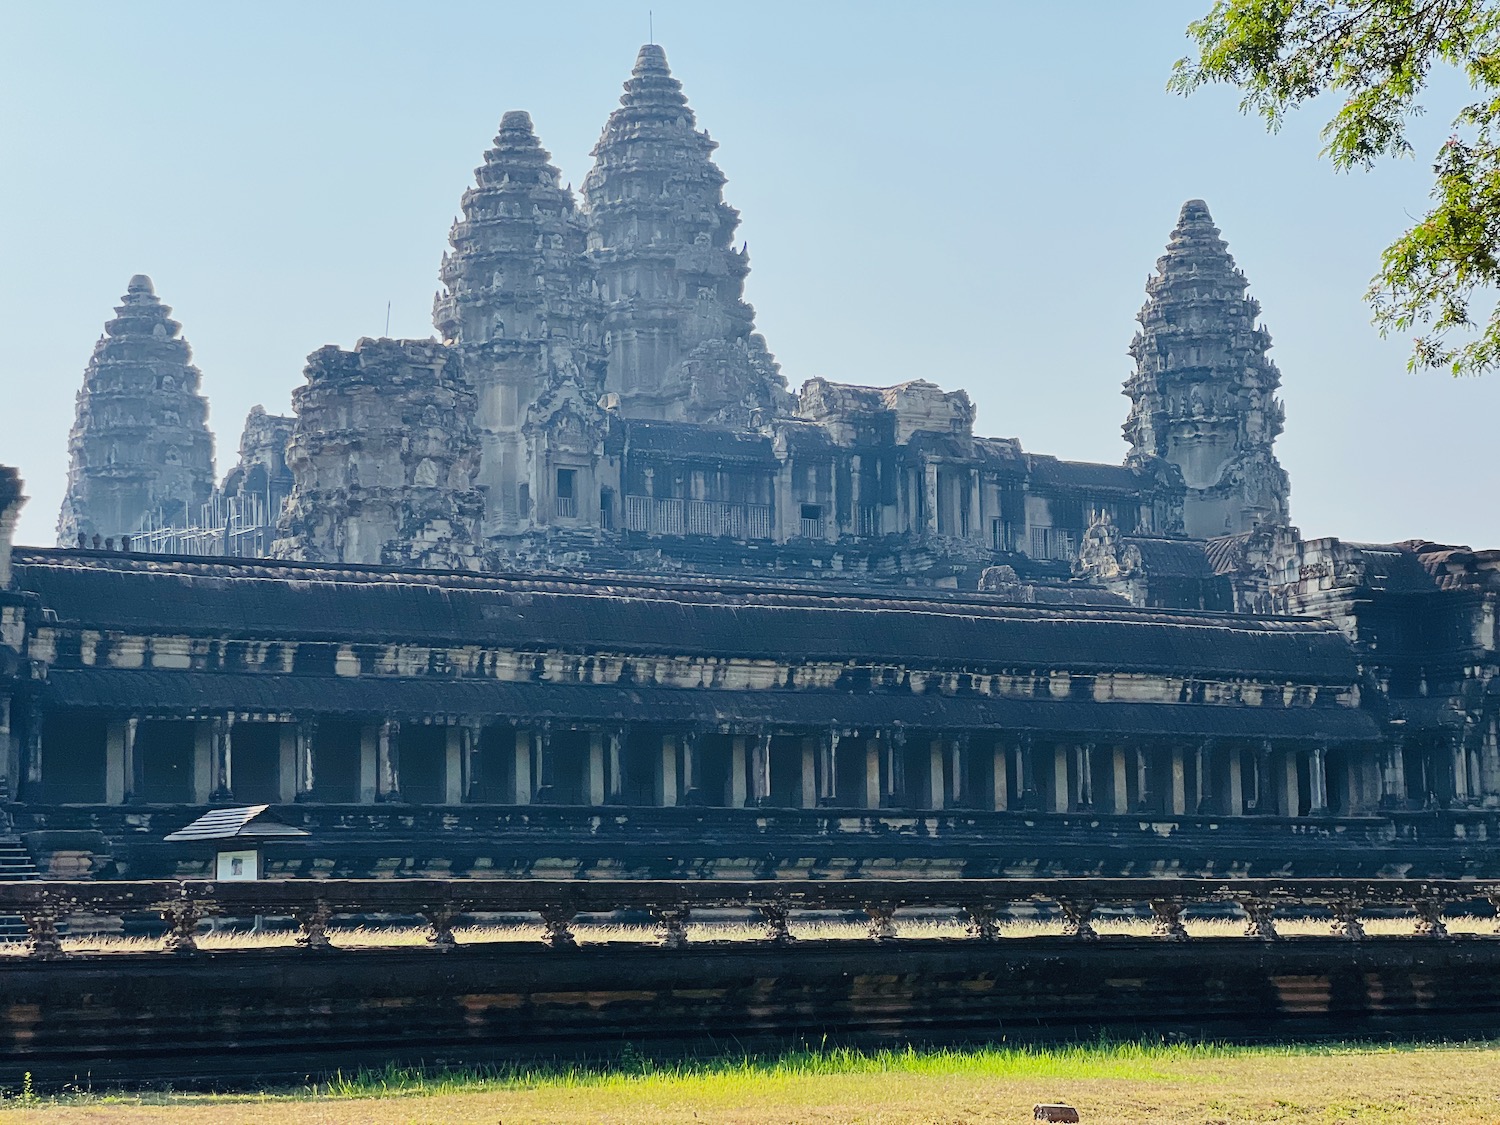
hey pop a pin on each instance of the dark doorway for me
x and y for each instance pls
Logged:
(164, 752)
(255, 762)
(424, 764)
(567, 780)
(74, 758)
(336, 761)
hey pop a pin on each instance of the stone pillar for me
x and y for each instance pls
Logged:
(1290, 786)
(543, 781)
(388, 761)
(1179, 783)
(930, 498)
(1234, 797)
(119, 778)
(597, 771)
(1317, 779)
(369, 763)
(1393, 773)
(894, 741)
(760, 770)
(828, 777)
(472, 739)
(872, 773)
(286, 763)
(936, 789)
(1143, 793)
(1202, 764)
(809, 792)
(305, 770)
(958, 761)
(976, 484)
(223, 758)
(1263, 802)
(203, 762)
(1084, 767)
(1120, 782)
(454, 758)
(666, 775)
(1000, 782)
(1061, 788)
(615, 749)
(739, 793)
(1460, 753)
(691, 770)
(1020, 758)
(522, 751)
(34, 722)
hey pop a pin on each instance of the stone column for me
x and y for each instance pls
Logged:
(522, 752)
(597, 791)
(369, 763)
(1235, 796)
(1143, 793)
(1061, 787)
(894, 741)
(1291, 786)
(306, 775)
(872, 774)
(810, 794)
(543, 779)
(1084, 759)
(1000, 782)
(739, 792)
(1203, 764)
(1020, 757)
(958, 761)
(1317, 778)
(454, 759)
(286, 763)
(666, 788)
(1179, 783)
(388, 761)
(203, 762)
(691, 769)
(615, 771)
(930, 498)
(1120, 790)
(760, 770)
(936, 788)
(1393, 774)
(472, 735)
(828, 777)
(223, 758)
(976, 485)
(1263, 801)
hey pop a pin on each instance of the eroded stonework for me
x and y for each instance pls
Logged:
(384, 454)
(140, 452)
(1203, 392)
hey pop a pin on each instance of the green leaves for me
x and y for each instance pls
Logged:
(1379, 55)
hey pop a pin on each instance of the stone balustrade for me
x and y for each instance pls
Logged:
(316, 903)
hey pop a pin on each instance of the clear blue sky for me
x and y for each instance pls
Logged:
(968, 193)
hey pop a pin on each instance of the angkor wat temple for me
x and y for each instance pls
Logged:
(581, 585)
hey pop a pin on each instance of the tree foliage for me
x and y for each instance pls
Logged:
(1379, 55)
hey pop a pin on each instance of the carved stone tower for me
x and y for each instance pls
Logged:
(1203, 395)
(383, 458)
(140, 452)
(682, 344)
(520, 305)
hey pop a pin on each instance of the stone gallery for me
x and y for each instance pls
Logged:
(586, 549)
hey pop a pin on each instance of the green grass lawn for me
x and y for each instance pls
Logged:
(1109, 1083)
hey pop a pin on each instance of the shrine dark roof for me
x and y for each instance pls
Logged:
(1049, 472)
(685, 439)
(652, 615)
(1172, 558)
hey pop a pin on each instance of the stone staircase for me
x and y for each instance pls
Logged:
(15, 864)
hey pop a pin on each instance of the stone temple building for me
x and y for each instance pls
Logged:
(581, 585)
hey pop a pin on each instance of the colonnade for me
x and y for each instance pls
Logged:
(90, 758)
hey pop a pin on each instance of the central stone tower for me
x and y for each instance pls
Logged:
(681, 339)
(1203, 395)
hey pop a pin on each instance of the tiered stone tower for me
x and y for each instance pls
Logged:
(140, 453)
(1203, 395)
(383, 458)
(682, 345)
(520, 305)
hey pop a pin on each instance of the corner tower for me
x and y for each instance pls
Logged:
(520, 305)
(140, 453)
(1203, 395)
(681, 338)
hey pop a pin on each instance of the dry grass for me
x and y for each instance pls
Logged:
(365, 937)
(1110, 1085)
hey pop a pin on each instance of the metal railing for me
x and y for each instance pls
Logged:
(315, 903)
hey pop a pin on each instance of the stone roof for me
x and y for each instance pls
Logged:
(1083, 475)
(688, 439)
(1172, 558)
(970, 634)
